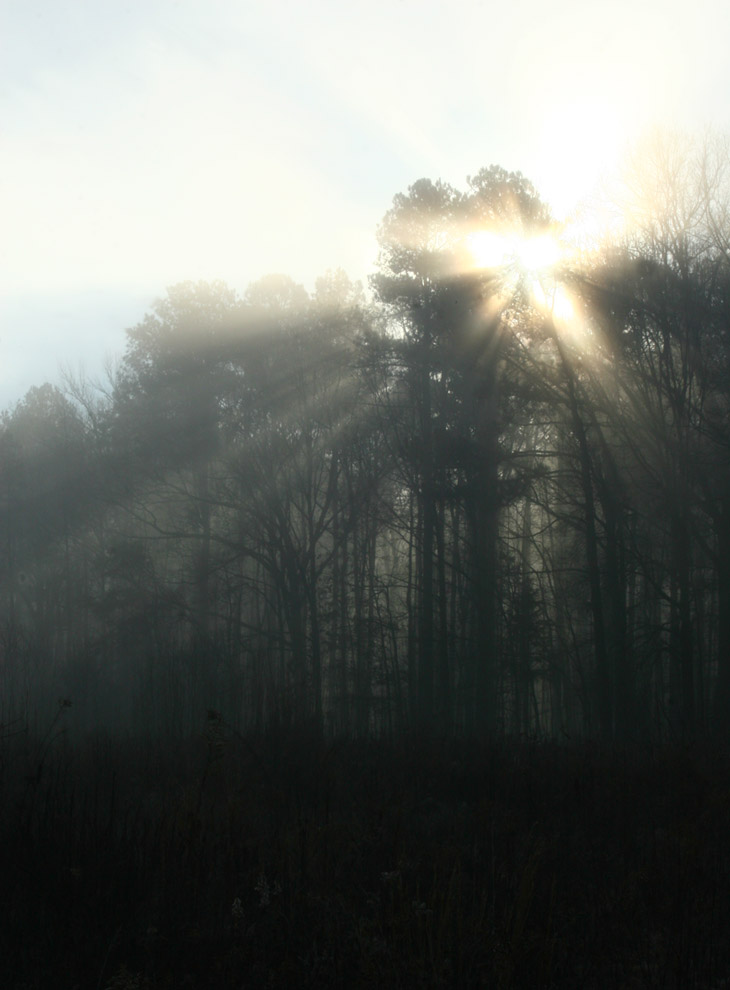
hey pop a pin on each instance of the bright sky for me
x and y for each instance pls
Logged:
(144, 143)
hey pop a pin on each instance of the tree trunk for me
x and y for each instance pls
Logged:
(721, 706)
(681, 645)
(485, 521)
(426, 583)
(445, 715)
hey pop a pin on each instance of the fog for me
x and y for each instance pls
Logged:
(365, 498)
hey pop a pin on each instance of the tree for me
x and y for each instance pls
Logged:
(447, 355)
(662, 309)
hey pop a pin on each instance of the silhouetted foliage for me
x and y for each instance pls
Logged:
(436, 511)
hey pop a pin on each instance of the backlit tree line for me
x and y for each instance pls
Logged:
(453, 507)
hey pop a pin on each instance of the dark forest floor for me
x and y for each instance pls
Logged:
(290, 862)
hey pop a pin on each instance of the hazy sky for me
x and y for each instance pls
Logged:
(144, 143)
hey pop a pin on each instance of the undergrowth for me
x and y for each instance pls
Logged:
(289, 861)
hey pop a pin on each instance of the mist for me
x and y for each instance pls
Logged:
(364, 502)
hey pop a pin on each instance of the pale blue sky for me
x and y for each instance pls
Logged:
(147, 143)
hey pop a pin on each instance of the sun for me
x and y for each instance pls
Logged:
(529, 261)
(534, 262)
(538, 254)
(531, 256)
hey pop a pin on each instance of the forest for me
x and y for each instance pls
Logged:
(387, 556)
(450, 509)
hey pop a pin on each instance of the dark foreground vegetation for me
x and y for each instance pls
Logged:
(288, 861)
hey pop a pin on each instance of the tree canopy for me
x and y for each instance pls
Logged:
(492, 497)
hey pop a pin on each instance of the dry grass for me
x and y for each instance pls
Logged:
(291, 862)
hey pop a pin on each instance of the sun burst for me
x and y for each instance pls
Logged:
(535, 262)
(530, 255)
